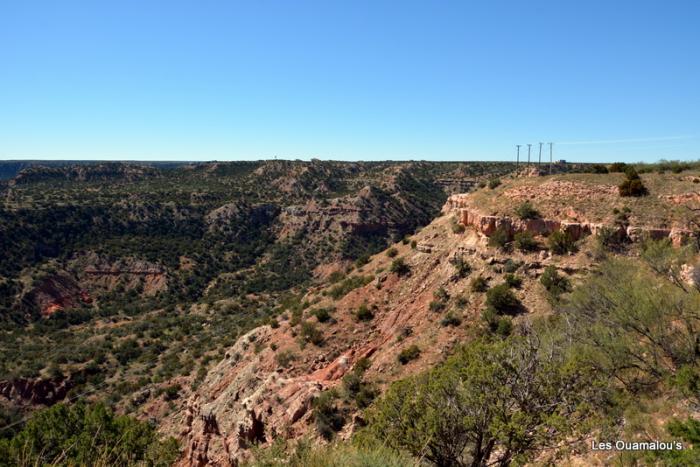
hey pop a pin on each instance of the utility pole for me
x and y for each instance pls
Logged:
(528, 155)
(539, 159)
(550, 158)
(517, 157)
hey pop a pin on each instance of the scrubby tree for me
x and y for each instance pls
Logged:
(527, 211)
(560, 242)
(83, 434)
(489, 404)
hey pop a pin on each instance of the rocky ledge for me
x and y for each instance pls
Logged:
(488, 224)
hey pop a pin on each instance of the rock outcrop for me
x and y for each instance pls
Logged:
(488, 224)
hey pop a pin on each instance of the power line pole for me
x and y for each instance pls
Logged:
(539, 159)
(528, 155)
(517, 157)
(550, 158)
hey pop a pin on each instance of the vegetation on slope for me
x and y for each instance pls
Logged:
(619, 355)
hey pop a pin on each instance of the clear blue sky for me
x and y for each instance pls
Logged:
(202, 80)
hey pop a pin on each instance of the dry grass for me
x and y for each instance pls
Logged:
(592, 198)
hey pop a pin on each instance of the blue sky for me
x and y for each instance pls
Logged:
(360, 80)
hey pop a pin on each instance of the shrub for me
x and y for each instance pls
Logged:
(494, 183)
(414, 244)
(83, 434)
(392, 252)
(460, 410)
(457, 228)
(361, 392)
(617, 167)
(405, 332)
(504, 326)
(400, 267)
(511, 266)
(560, 242)
(450, 320)
(479, 284)
(461, 301)
(362, 260)
(328, 418)
(527, 211)
(363, 313)
(608, 237)
(436, 306)
(408, 354)
(553, 282)
(499, 238)
(524, 241)
(310, 333)
(513, 281)
(599, 169)
(285, 357)
(441, 294)
(351, 283)
(172, 392)
(322, 314)
(633, 185)
(463, 268)
(502, 299)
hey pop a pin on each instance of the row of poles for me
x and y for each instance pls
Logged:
(539, 160)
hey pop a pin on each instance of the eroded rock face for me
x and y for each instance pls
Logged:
(35, 391)
(690, 274)
(488, 224)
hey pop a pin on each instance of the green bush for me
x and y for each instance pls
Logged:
(632, 188)
(491, 403)
(322, 314)
(504, 326)
(553, 282)
(458, 228)
(462, 266)
(399, 267)
(560, 242)
(310, 333)
(608, 237)
(502, 299)
(494, 183)
(83, 434)
(479, 284)
(617, 167)
(359, 391)
(499, 238)
(436, 306)
(409, 354)
(441, 294)
(524, 241)
(599, 169)
(363, 313)
(450, 320)
(511, 266)
(285, 357)
(328, 418)
(392, 252)
(513, 281)
(633, 185)
(527, 211)
(351, 283)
